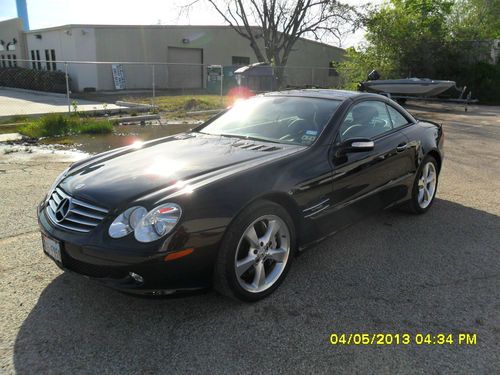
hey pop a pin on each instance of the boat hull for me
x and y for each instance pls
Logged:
(409, 87)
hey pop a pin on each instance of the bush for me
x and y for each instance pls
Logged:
(100, 127)
(30, 79)
(54, 124)
(482, 79)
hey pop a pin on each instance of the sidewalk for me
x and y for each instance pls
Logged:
(32, 103)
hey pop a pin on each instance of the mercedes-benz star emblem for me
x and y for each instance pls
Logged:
(62, 209)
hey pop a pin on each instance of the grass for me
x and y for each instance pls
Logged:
(9, 128)
(18, 119)
(179, 105)
(54, 124)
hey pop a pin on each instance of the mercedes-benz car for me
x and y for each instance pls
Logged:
(230, 203)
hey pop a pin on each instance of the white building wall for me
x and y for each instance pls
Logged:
(10, 30)
(70, 44)
(149, 44)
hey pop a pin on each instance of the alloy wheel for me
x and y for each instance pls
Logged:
(262, 253)
(427, 185)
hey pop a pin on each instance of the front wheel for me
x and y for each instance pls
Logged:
(424, 187)
(256, 252)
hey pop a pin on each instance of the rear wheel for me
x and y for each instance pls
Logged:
(424, 187)
(256, 252)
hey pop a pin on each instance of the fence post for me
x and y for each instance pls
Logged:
(67, 86)
(221, 84)
(153, 77)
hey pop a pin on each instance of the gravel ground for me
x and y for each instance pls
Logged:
(392, 272)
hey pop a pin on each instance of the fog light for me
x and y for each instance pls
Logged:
(136, 277)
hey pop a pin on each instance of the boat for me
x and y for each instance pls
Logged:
(423, 87)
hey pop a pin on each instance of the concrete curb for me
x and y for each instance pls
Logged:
(44, 93)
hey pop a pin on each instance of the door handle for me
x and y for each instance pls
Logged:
(401, 147)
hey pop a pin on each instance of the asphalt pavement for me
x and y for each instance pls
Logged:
(390, 273)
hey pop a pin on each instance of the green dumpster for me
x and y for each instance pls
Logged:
(214, 79)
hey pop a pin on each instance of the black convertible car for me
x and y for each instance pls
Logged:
(229, 203)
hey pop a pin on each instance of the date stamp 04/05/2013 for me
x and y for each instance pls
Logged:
(387, 339)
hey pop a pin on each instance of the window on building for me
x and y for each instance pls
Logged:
(53, 58)
(332, 71)
(33, 63)
(240, 60)
(47, 59)
(9, 61)
(38, 60)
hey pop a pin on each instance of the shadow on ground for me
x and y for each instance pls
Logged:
(390, 273)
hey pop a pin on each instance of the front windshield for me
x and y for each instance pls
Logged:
(281, 119)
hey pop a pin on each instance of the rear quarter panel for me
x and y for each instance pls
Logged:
(425, 137)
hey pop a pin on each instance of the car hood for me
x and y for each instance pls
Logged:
(127, 174)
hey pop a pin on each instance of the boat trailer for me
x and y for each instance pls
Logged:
(462, 99)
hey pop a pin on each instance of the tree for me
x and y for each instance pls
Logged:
(438, 39)
(272, 27)
(411, 33)
(475, 20)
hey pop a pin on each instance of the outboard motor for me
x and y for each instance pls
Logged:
(373, 76)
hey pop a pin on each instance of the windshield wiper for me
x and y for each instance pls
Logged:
(248, 137)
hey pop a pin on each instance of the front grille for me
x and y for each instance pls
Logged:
(73, 214)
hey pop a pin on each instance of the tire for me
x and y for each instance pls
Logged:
(415, 204)
(245, 255)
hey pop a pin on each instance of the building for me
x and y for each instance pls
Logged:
(181, 55)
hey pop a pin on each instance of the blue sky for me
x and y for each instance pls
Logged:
(47, 13)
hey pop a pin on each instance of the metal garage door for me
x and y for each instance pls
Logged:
(182, 75)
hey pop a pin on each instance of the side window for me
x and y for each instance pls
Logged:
(365, 120)
(397, 118)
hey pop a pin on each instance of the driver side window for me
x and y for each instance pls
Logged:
(365, 120)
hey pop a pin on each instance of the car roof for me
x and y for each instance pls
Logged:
(325, 94)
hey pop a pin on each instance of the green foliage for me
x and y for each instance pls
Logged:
(475, 19)
(40, 80)
(358, 64)
(409, 33)
(482, 79)
(96, 127)
(437, 39)
(14, 119)
(55, 124)
(177, 106)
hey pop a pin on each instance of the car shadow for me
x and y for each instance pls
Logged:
(392, 272)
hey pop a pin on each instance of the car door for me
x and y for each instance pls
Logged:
(369, 180)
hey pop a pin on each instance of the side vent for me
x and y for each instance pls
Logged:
(254, 146)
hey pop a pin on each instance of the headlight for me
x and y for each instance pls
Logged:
(147, 226)
(158, 222)
(126, 222)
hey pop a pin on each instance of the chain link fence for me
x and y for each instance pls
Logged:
(33, 87)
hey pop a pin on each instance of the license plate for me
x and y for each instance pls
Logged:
(52, 248)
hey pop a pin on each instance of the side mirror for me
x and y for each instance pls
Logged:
(355, 145)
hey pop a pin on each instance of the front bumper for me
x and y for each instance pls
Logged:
(95, 256)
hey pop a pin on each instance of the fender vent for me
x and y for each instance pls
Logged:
(255, 146)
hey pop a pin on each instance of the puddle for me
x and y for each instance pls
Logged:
(77, 147)
(25, 152)
(122, 135)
